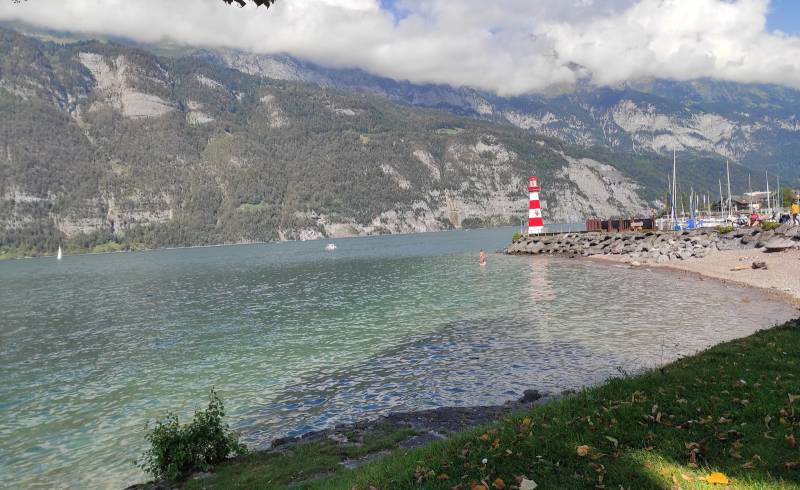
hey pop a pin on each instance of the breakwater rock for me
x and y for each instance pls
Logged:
(659, 246)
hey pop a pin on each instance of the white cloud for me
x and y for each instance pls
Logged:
(508, 46)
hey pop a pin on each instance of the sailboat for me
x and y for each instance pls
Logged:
(59, 254)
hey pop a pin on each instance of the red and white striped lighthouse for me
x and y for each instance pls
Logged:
(535, 220)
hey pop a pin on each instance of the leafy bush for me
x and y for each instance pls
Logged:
(517, 236)
(176, 451)
(769, 225)
(724, 229)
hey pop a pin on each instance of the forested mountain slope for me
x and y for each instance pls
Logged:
(100, 142)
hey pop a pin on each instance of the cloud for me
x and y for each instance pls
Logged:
(507, 46)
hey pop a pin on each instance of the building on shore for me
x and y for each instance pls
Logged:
(758, 201)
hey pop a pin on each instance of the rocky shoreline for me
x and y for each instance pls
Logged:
(425, 427)
(658, 246)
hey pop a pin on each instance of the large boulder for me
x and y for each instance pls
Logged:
(777, 244)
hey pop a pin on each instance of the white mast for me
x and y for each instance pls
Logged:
(728, 172)
(750, 190)
(769, 199)
(674, 175)
(721, 202)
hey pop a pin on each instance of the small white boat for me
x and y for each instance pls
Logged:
(330, 247)
(59, 254)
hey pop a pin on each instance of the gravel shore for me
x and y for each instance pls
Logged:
(781, 277)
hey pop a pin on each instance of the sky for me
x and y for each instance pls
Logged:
(510, 47)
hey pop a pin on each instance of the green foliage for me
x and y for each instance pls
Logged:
(788, 196)
(178, 450)
(724, 228)
(298, 463)
(769, 225)
(516, 236)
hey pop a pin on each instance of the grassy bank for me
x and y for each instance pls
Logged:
(732, 409)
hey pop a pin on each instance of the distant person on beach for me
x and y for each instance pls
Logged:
(482, 258)
(795, 212)
(753, 218)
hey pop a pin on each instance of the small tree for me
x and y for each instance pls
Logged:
(176, 451)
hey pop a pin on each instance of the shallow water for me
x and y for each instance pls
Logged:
(296, 338)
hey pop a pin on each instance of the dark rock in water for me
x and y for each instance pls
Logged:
(760, 265)
(530, 396)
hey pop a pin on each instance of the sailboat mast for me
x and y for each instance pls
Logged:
(721, 202)
(674, 175)
(728, 172)
(769, 199)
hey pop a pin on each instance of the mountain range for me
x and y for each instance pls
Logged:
(107, 145)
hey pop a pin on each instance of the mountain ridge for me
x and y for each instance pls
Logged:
(107, 145)
(754, 124)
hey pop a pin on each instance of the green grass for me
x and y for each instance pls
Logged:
(450, 131)
(11, 254)
(108, 247)
(298, 463)
(251, 208)
(729, 409)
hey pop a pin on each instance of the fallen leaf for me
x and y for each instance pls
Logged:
(582, 451)
(526, 484)
(686, 477)
(499, 484)
(479, 486)
(443, 477)
(717, 478)
(613, 441)
(793, 398)
(790, 440)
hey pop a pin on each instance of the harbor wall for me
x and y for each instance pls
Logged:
(658, 246)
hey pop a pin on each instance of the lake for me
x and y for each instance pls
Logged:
(295, 338)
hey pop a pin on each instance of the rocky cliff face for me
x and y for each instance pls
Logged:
(755, 125)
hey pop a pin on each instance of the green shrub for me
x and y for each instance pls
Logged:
(724, 228)
(517, 236)
(769, 225)
(176, 451)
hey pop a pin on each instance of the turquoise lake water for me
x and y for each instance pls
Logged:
(296, 339)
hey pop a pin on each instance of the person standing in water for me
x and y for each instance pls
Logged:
(482, 258)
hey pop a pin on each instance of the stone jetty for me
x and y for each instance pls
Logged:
(658, 246)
